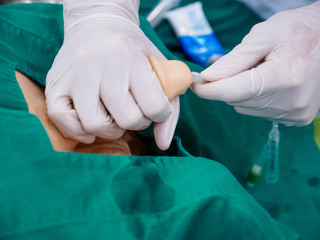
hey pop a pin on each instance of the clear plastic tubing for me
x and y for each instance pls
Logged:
(272, 173)
(270, 156)
(197, 79)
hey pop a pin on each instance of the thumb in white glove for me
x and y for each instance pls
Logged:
(101, 82)
(275, 72)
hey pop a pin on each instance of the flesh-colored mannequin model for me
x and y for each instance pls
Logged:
(34, 96)
(175, 76)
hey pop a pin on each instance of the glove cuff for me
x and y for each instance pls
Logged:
(76, 11)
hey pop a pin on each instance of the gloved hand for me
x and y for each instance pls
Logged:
(101, 82)
(275, 72)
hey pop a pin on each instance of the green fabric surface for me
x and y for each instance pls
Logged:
(51, 195)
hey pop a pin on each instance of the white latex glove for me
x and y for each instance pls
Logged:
(101, 82)
(285, 87)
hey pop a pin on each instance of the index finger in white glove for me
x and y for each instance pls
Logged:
(231, 80)
(238, 88)
(253, 48)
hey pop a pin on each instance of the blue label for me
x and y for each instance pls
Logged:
(201, 48)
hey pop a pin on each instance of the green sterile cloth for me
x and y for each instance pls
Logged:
(50, 195)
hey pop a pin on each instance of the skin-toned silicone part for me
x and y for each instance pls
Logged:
(175, 76)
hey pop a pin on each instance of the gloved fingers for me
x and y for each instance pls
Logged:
(123, 109)
(253, 49)
(60, 106)
(163, 132)
(232, 89)
(94, 117)
(115, 93)
(66, 118)
(147, 91)
(244, 86)
(92, 113)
